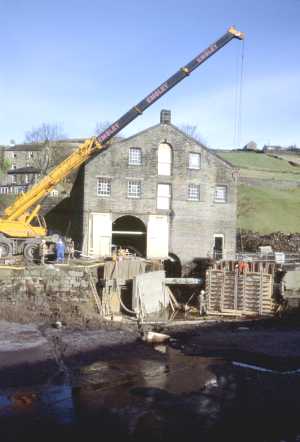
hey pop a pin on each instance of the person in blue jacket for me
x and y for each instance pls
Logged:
(60, 250)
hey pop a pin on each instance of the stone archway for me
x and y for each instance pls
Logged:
(131, 233)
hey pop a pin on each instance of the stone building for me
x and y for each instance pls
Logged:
(27, 164)
(160, 193)
(23, 170)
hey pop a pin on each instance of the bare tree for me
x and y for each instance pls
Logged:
(192, 131)
(101, 126)
(44, 133)
(52, 149)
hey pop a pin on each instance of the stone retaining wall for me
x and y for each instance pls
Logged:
(45, 294)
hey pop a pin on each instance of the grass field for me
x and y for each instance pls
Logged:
(259, 162)
(267, 210)
(262, 207)
(269, 175)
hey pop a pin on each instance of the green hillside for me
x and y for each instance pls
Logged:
(267, 210)
(260, 162)
(263, 207)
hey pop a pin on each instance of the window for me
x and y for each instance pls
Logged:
(19, 189)
(14, 179)
(13, 167)
(134, 189)
(13, 155)
(26, 179)
(135, 156)
(221, 194)
(4, 189)
(194, 160)
(163, 196)
(30, 155)
(54, 193)
(164, 159)
(103, 187)
(194, 192)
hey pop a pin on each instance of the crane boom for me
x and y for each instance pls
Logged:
(17, 220)
(137, 110)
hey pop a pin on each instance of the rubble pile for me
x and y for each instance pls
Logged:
(279, 241)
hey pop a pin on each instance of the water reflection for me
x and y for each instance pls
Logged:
(171, 397)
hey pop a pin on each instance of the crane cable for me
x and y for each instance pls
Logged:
(238, 100)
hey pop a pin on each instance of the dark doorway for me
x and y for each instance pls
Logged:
(218, 247)
(130, 232)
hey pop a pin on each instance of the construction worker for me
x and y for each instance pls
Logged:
(60, 250)
(43, 251)
(202, 303)
(71, 248)
(243, 267)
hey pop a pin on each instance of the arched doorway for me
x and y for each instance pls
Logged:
(130, 232)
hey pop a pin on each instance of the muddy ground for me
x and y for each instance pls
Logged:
(217, 380)
(30, 353)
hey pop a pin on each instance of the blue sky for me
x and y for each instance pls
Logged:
(79, 62)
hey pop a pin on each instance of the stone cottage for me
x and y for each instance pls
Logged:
(24, 170)
(159, 193)
(26, 164)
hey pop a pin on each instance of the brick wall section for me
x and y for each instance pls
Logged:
(192, 224)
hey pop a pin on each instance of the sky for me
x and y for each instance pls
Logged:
(80, 62)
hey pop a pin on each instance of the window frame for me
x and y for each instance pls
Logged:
(131, 161)
(164, 198)
(198, 188)
(130, 184)
(4, 190)
(106, 193)
(189, 161)
(219, 201)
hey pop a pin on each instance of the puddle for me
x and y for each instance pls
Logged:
(168, 397)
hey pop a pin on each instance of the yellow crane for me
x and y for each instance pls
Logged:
(21, 226)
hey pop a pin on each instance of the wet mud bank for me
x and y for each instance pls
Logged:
(272, 344)
(31, 354)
